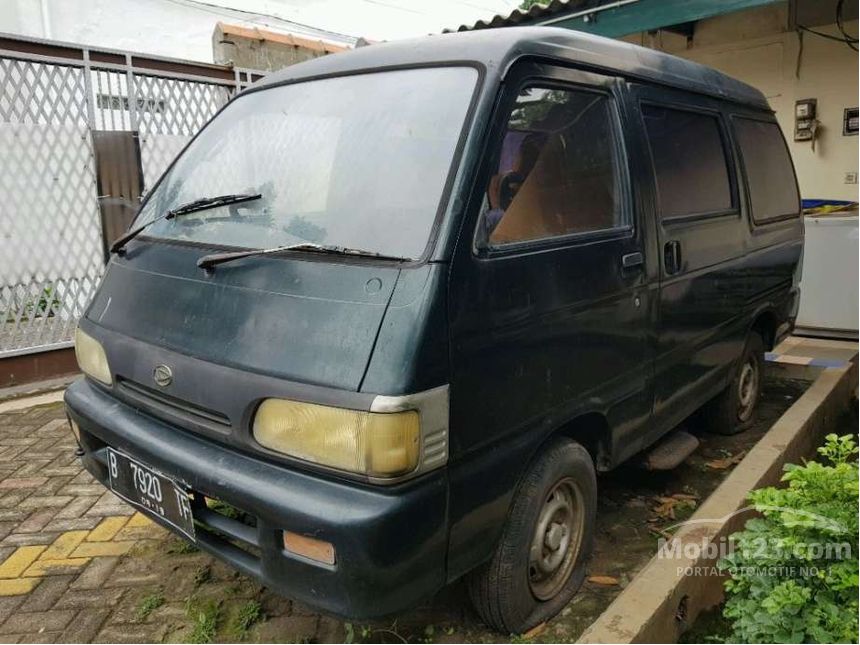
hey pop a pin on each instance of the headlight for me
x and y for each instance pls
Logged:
(91, 357)
(370, 443)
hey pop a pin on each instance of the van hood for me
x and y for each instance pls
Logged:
(310, 319)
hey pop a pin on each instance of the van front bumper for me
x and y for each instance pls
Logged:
(390, 542)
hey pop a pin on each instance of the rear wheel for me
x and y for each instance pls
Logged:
(539, 563)
(734, 409)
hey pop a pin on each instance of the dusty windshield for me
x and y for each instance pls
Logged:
(355, 161)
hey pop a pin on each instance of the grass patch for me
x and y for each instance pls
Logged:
(204, 617)
(180, 547)
(149, 603)
(247, 616)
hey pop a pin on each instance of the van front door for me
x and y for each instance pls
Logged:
(701, 244)
(549, 301)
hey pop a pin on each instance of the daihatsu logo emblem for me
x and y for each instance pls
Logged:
(163, 375)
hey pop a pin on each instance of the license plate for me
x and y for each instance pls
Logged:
(151, 491)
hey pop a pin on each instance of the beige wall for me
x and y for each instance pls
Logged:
(755, 46)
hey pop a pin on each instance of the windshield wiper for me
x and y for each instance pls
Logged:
(189, 207)
(209, 261)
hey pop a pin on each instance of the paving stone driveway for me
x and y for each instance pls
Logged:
(78, 565)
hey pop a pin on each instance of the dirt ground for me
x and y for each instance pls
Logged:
(78, 565)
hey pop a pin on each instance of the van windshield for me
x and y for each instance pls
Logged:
(356, 161)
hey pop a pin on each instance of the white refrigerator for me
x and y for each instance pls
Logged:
(829, 285)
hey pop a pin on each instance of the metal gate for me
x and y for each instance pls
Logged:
(53, 98)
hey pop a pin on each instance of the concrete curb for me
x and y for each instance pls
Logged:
(25, 402)
(662, 601)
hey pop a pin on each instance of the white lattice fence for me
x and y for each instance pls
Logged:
(51, 255)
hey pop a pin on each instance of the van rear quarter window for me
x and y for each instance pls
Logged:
(689, 161)
(769, 172)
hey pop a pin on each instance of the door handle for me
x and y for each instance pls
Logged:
(672, 256)
(632, 260)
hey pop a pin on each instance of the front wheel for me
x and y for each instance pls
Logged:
(539, 563)
(733, 410)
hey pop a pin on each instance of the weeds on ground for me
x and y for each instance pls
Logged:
(368, 634)
(249, 614)
(149, 603)
(204, 617)
(180, 546)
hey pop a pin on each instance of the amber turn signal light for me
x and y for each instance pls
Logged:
(308, 547)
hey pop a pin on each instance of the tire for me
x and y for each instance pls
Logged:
(734, 409)
(519, 588)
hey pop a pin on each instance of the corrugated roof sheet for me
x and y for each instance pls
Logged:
(535, 13)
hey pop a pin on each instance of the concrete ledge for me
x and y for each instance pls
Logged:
(25, 402)
(662, 601)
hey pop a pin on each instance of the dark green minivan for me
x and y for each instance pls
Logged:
(398, 306)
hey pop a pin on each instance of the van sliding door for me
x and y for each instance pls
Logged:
(701, 237)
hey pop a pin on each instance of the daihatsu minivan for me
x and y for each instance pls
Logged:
(398, 306)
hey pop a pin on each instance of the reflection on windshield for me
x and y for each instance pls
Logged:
(357, 161)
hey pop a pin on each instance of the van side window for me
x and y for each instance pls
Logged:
(689, 162)
(770, 174)
(558, 171)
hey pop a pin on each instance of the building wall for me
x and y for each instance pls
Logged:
(756, 46)
(263, 49)
(157, 27)
(257, 54)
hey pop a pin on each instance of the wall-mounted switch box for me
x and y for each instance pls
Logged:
(850, 177)
(805, 123)
(850, 122)
(805, 109)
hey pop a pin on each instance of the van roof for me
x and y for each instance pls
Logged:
(497, 49)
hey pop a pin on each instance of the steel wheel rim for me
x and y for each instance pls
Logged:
(747, 388)
(557, 539)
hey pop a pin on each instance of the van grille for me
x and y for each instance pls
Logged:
(164, 403)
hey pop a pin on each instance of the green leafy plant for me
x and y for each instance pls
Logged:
(794, 570)
(149, 603)
(46, 305)
(181, 546)
(249, 614)
(205, 617)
